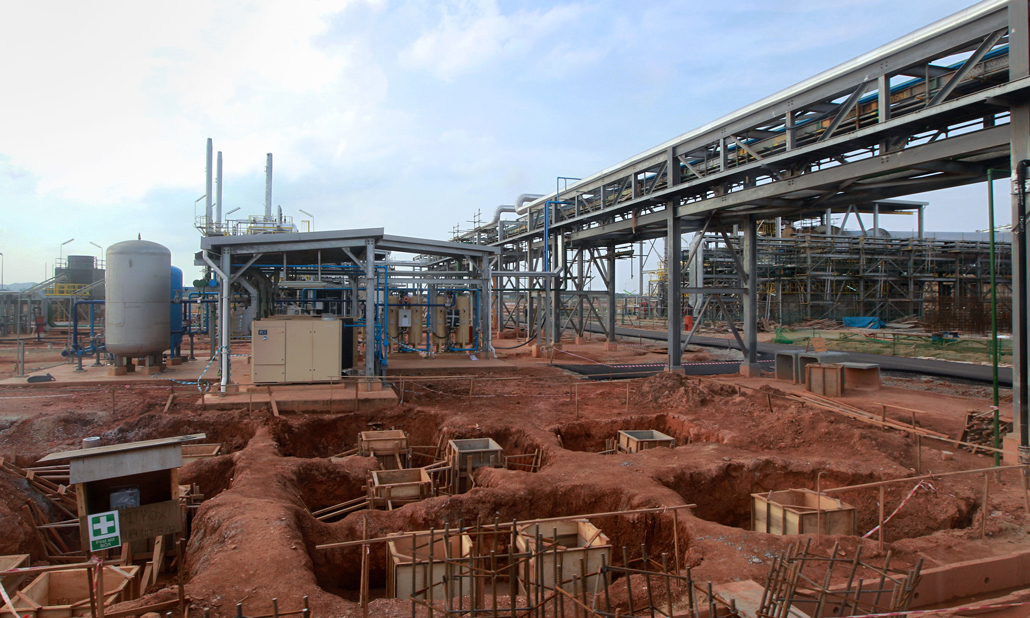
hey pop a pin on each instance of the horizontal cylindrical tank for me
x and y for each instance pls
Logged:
(176, 312)
(138, 320)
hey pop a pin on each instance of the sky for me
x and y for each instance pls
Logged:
(407, 115)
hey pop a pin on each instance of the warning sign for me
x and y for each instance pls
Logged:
(104, 530)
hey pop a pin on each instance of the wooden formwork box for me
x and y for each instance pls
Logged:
(14, 561)
(193, 452)
(801, 511)
(405, 566)
(577, 540)
(392, 488)
(465, 456)
(634, 441)
(826, 379)
(389, 447)
(63, 594)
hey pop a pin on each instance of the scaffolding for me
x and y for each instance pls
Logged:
(811, 276)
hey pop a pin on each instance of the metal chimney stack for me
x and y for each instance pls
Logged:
(207, 191)
(268, 188)
(218, 192)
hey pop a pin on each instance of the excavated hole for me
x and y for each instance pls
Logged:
(338, 570)
(590, 435)
(323, 483)
(326, 435)
(723, 496)
(212, 475)
(221, 427)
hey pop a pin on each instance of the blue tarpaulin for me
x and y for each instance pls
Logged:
(863, 322)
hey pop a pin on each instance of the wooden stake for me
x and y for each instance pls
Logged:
(627, 395)
(357, 385)
(363, 592)
(984, 510)
(676, 538)
(577, 401)
(331, 396)
(769, 398)
(112, 401)
(92, 599)
(98, 582)
(471, 384)
(883, 413)
(168, 404)
(919, 454)
(180, 555)
(880, 528)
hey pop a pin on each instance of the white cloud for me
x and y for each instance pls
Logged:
(105, 101)
(472, 34)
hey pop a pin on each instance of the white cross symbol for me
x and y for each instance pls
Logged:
(104, 525)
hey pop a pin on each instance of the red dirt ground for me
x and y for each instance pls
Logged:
(254, 539)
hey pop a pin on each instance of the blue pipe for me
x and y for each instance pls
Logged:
(75, 321)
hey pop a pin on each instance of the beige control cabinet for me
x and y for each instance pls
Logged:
(299, 349)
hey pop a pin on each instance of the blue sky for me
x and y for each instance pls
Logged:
(398, 114)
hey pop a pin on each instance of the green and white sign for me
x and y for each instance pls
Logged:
(104, 530)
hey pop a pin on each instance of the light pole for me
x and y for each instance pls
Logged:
(60, 254)
(312, 228)
(101, 258)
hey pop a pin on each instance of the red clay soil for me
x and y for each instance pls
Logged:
(254, 538)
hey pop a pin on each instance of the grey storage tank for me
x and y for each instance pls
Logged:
(137, 316)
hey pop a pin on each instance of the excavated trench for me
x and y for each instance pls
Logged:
(338, 570)
(591, 436)
(291, 470)
(723, 495)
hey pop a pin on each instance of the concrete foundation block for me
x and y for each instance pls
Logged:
(153, 370)
(611, 346)
(580, 340)
(117, 371)
(175, 361)
(678, 369)
(751, 370)
(535, 350)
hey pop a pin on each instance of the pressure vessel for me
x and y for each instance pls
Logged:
(137, 316)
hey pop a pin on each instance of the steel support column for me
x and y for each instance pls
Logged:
(750, 300)
(674, 269)
(370, 311)
(1019, 67)
(224, 324)
(610, 287)
(485, 339)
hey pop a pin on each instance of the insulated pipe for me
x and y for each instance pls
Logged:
(497, 217)
(268, 188)
(525, 198)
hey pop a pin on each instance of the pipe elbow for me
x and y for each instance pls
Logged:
(522, 201)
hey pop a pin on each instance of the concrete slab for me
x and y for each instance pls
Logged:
(189, 371)
(748, 596)
(306, 398)
(402, 365)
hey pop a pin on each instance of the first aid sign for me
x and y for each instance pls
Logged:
(104, 530)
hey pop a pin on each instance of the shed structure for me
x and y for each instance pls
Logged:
(139, 481)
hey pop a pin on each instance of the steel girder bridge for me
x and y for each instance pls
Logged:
(932, 110)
